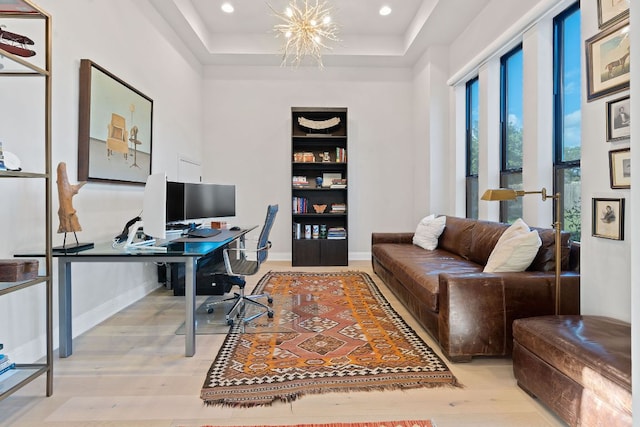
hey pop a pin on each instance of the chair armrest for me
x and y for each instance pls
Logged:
(242, 254)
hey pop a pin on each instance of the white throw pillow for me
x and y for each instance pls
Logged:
(515, 250)
(428, 230)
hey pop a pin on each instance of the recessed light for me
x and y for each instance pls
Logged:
(385, 10)
(227, 7)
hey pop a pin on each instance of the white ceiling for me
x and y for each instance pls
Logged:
(246, 37)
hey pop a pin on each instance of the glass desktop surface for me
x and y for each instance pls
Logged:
(197, 248)
(180, 247)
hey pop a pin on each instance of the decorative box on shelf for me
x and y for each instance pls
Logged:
(304, 157)
(12, 270)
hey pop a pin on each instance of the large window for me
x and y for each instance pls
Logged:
(567, 117)
(511, 90)
(472, 118)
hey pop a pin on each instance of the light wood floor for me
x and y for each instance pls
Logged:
(131, 371)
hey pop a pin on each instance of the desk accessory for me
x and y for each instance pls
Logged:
(69, 222)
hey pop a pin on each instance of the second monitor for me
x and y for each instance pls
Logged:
(190, 201)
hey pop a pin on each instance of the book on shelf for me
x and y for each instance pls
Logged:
(299, 205)
(339, 183)
(336, 233)
(338, 207)
(299, 181)
(341, 155)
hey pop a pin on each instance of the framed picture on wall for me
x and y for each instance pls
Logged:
(620, 168)
(612, 11)
(618, 119)
(608, 62)
(115, 128)
(608, 218)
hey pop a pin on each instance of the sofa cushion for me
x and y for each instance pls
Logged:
(484, 237)
(456, 237)
(545, 259)
(515, 250)
(428, 231)
(419, 270)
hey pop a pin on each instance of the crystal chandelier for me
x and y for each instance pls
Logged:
(305, 30)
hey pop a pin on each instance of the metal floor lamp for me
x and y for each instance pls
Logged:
(504, 194)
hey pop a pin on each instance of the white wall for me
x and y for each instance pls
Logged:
(248, 142)
(129, 45)
(606, 264)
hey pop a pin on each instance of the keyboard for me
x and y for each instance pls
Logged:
(203, 232)
(177, 226)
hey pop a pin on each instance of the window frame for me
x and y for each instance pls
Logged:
(560, 166)
(471, 178)
(505, 172)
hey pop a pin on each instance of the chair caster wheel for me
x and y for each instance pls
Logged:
(209, 310)
(270, 300)
(270, 314)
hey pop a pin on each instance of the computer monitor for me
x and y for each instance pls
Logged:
(225, 201)
(175, 201)
(191, 201)
(209, 201)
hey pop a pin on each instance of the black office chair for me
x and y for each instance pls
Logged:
(237, 266)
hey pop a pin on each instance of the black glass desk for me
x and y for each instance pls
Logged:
(184, 250)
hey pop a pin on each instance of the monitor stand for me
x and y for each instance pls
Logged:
(141, 245)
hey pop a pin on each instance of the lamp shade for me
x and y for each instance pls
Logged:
(500, 194)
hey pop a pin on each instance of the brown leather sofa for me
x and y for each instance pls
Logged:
(579, 366)
(469, 312)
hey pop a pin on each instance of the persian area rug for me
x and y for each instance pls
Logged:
(371, 424)
(332, 332)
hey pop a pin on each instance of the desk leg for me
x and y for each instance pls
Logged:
(64, 310)
(190, 309)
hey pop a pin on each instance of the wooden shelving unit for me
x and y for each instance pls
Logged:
(20, 68)
(319, 150)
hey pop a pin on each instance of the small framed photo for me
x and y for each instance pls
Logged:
(608, 67)
(612, 11)
(619, 119)
(608, 218)
(620, 168)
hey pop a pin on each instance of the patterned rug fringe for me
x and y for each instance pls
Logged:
(340, 335)
(412, 423)
(288, 398)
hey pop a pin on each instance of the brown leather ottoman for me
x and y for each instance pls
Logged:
(579, 366)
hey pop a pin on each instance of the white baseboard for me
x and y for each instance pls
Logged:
(286, 256)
